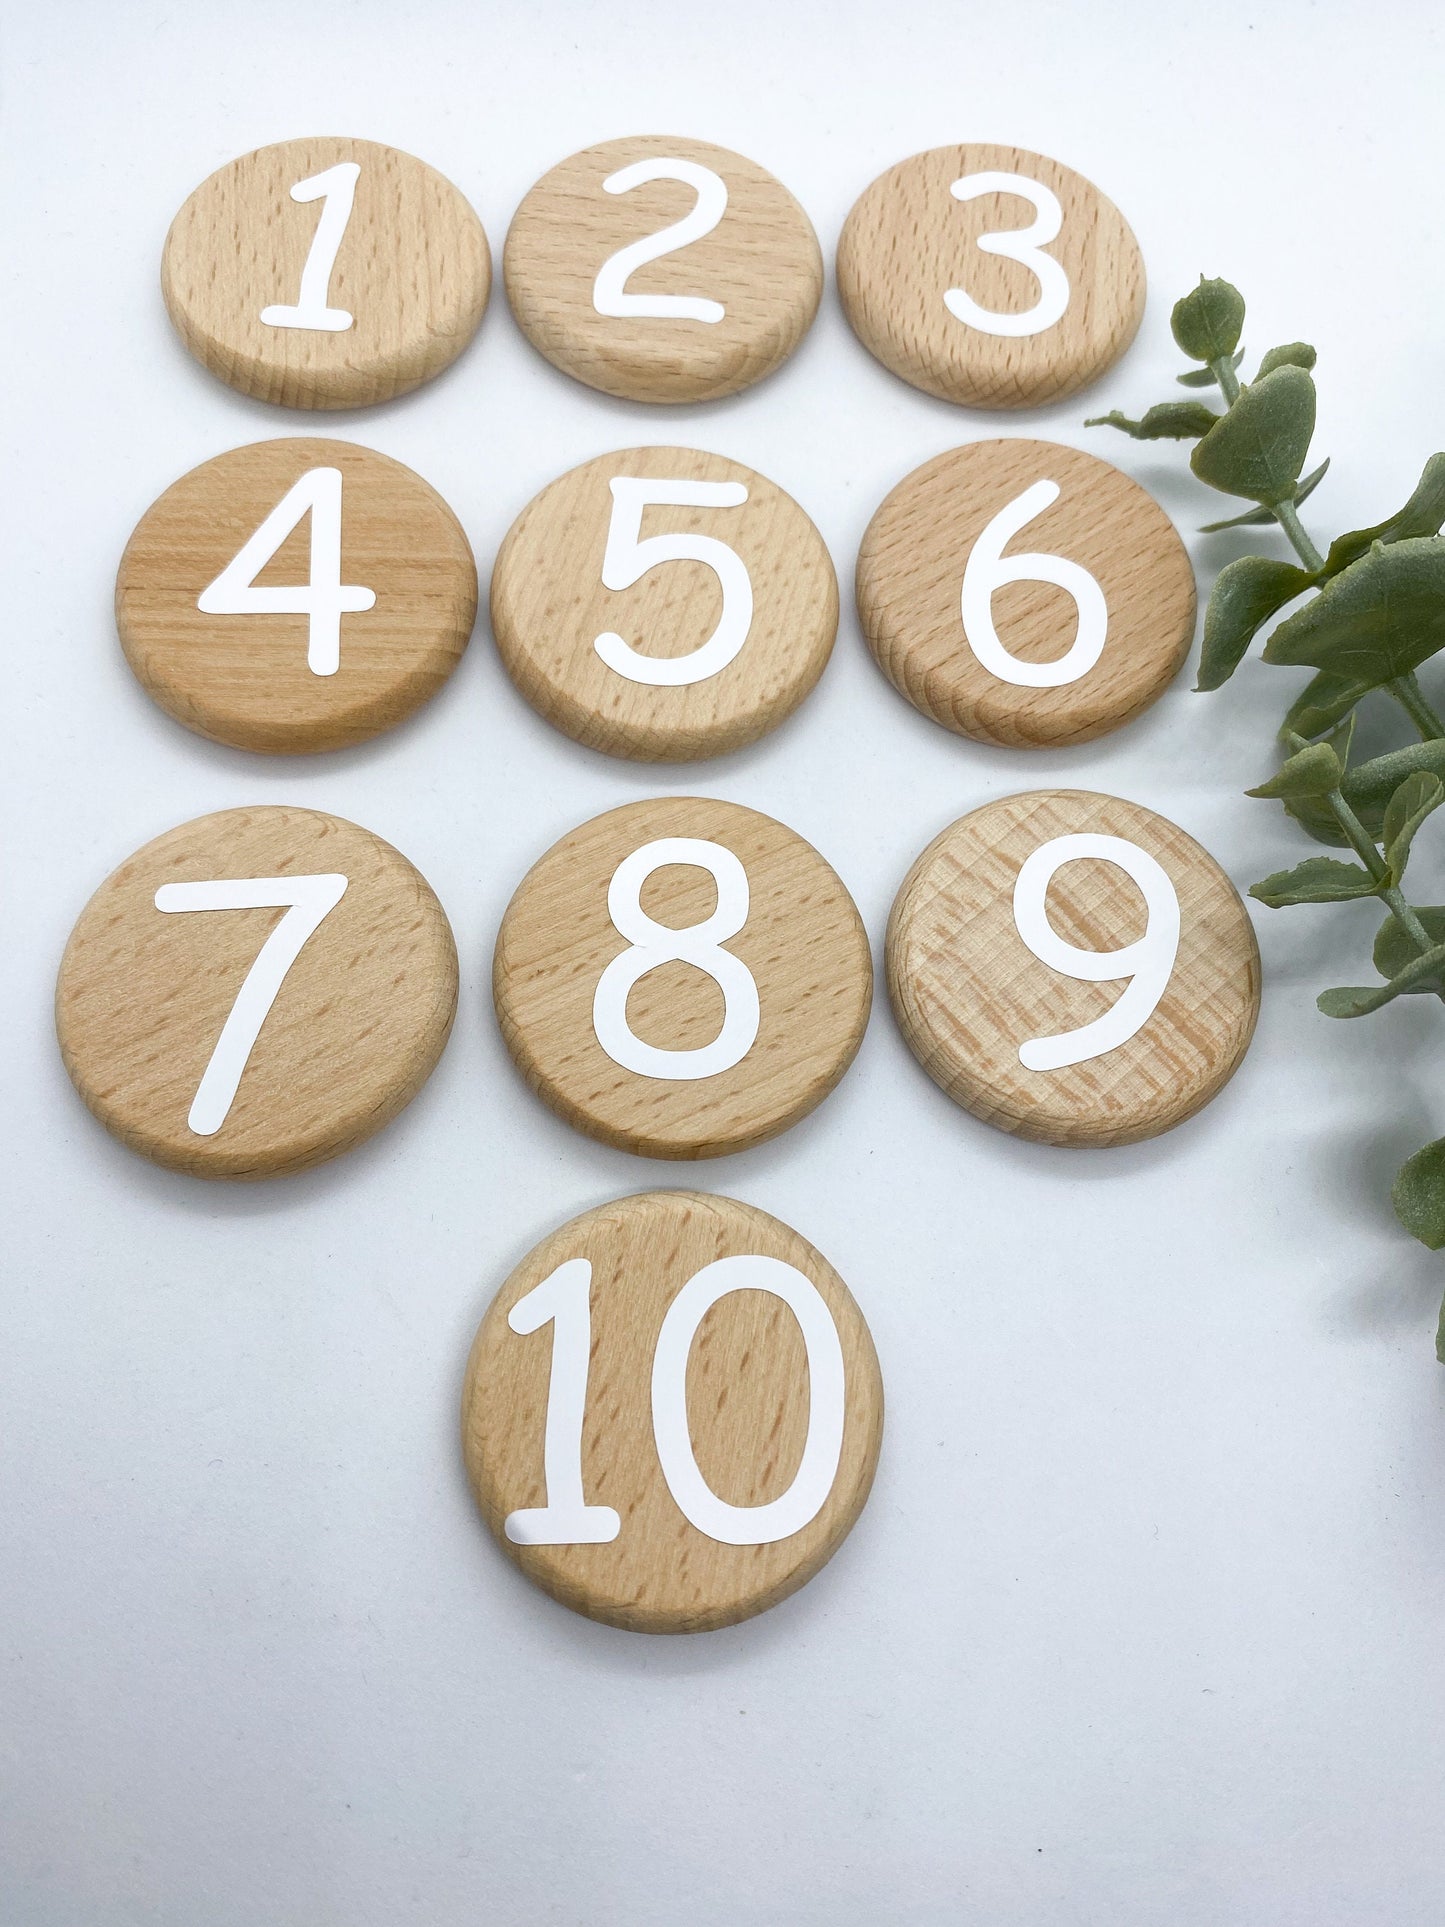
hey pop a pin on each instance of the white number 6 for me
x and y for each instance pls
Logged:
(988, 568)
(1148, 962)
(627, 558)
(609, 290)
(1018, 244)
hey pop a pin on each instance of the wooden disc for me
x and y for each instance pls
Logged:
(665, 1416)
(585, 655)
(971, 594)
(363, 284)
(598, 260)
(292, 680)
(991, 1019)
(656, 1059)
(203, 1038)
(998, 293)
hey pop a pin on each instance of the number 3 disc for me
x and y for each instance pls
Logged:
(255, 992)
(1073, 968)
(672, 1412)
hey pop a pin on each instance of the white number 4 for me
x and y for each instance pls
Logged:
(323, 598)
(306, 901)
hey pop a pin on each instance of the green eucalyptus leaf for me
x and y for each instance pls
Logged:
(1166, 421)
(1358, 1000)
(1319, 879)
(1309, 772)
(1317, 820)
(1206, 377)
(1322, 702)
(1418, 1195)
(1369, 786)
(1259, 447)
(1262, 517)
(1246, 593)
(1396, 949)
(1381, 618)
(1423, 514)
(1207, 322)
(1294, 354)
(1417, 797)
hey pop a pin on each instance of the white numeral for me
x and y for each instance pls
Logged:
(563, 1300)
(306, 901)
(323, 599)
(335, 189)
(697, 944)
(1024, 244)
(988, 568)
(609, 290)
(1148, 962)
(627, 558)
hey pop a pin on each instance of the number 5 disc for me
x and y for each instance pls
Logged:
(1073, 968)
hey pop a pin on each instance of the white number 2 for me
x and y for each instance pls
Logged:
(1148, 962)
(335, 189)
(627, 558)
(609, 290)
(988, 568)
(698, 944)
(563, 1300)
(306, 901)
(1018, 244)
(324, 598)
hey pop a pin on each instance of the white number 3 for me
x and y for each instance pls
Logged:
(1018, 244)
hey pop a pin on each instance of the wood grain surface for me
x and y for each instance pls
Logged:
(355, 1030)
(244, 679)
(908, 240)
(747, 1402)
(549, 605)
(910, 574)
(413, 269)
(761, 262)
(803, 942)
(967, 991)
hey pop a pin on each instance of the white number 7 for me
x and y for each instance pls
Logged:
(306, 901)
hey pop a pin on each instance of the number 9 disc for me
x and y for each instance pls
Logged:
(1073, 968)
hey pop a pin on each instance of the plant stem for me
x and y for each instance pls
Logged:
(1365, 849)
(1407, 694)
(1228, 381)
(1287, 515)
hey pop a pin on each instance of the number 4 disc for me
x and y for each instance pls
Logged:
(672, 1412)
(1073, 968)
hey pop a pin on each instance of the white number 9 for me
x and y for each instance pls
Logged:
(1148, 963)
(1025, 244)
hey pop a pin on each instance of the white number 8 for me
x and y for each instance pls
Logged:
(1148, 963)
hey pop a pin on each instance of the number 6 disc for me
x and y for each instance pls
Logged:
(255, 992)
(1073, 968)
(672, 1412)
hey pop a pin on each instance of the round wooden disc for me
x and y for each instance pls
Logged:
(152, 1018)
(934, 287)
(799, 943)
(550, 606)
(754, 256)
(409, 264)
(751, 1396)
(258, 680)
(921, 558)
(970, 994)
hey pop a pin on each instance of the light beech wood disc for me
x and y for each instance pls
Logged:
(970, 654)
(747, 248)
(612, 1059)
(550, 605)
(408, 264)
(163, 1044)
(754, 1410)
(260, 679)
(973, 997)
(939, 285)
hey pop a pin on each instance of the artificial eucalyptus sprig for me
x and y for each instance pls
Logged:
(1375, 614)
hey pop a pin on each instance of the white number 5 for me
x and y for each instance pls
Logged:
(627, 558)
(1018, 244)
(1148, 962)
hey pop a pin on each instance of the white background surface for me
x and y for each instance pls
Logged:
(1142, 1623)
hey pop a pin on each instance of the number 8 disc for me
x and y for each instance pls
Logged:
(1073, 968)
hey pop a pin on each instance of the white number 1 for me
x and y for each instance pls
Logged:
(306, 901)
(336, 189)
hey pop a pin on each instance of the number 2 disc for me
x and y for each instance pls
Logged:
(255, 992)
(1073, 968)
(672, 1412)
